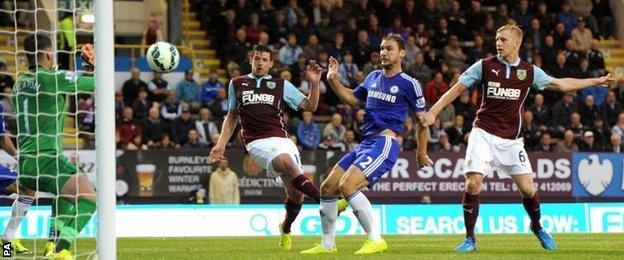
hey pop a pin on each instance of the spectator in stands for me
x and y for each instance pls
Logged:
(358, 123)
(254, 29)
(536, 34)
(433, 136)
(171, 109)
(349, 140)
(210, 88)
(289, 53)
(576, 125)
(441, 34)
(596, 59)
(325, 30)
(328, 144)
(131, 87)
(581, 36)
(219, 107)
(141, 105)
(278, 29)
(313, 47)
(410, 52)
(604, 18)
(422, 36)
(530, 130)
(153, 32)
(567, 145)
(350, 30)
(136, 144)
(445, 145)
(205, 126)
(166, 143)
(304, 87)
(6, 78)
(453, 53)
(348, 70)
(157, 88)
(188, 91)
(588, 110)
(335, 130)
(560, 35)
(193, 142)
(153, 128)
(362, 49)
(337, 48)
(181, 126)
(398, 28)
(435, 89)
(598, 92)
(540, 112)
(618, 128)
(119, 106)
(544, 17)
(616, 145)
(375, 31)
(572, 56)
(456, 131)
(223, 185)
(611, 108)
(478, 51)
(430, 14)
(545, 144)
(523, 16)
(589, 144)
(238, 49)
(372, 64)
(308, 132)
(562, 111)
(457, 19)
(303, 29)
(601, 132)
(433, 59)
(465, 108)
(419, 69)
(568, 18)
(549, 52)
(128, 129)
(528, 52)
(475, 18)
(409, 135)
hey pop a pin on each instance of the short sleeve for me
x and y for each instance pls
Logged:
(414, 95)
(472, 75)
(541, 80)
(231, 97)
(292, 96)
(360, 92)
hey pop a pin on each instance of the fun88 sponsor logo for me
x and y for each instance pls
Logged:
(606, 218)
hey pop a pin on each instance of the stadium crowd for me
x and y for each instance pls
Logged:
(442, 39)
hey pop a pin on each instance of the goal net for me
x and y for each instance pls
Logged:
(49, 106)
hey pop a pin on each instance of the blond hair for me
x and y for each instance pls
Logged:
(515, 30)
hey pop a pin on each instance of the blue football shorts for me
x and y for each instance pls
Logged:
(375, 156)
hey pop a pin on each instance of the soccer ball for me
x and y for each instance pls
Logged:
(163, 57)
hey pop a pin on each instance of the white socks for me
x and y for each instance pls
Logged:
(364, 213)
(329, 214)
(18, 211)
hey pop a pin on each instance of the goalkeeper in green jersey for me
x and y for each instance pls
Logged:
(39, 101)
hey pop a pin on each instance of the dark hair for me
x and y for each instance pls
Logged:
(397, 38)
(263, 48)
(34, 45)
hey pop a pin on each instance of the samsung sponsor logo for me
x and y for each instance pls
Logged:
(382, 96)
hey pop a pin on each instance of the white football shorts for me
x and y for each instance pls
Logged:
(487, 152)
(263, 151)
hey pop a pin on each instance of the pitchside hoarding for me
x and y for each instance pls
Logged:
(263, 220)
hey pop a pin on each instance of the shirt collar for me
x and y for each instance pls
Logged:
(267, 76)
(507, 63)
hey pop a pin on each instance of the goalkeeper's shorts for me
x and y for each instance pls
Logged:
(45, 172)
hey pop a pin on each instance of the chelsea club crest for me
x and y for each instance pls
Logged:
(394, 89)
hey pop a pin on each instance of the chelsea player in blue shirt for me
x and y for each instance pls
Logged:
(388, 95)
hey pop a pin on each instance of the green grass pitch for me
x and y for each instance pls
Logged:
(525, 246)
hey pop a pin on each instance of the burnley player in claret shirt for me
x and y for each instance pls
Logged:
(256, 102)
(503, 82)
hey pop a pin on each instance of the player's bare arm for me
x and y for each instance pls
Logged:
(422, 159)
(573, 84)
(8, 146)
(428, 118)
(346, 95)
(313, 73)
(216, 153)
